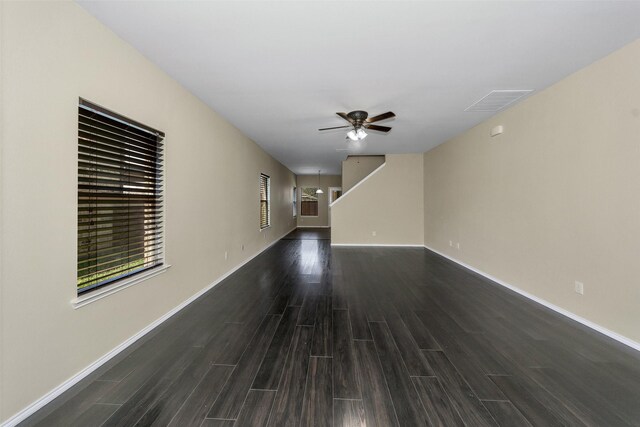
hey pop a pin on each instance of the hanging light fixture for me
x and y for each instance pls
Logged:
(319, 190)
(357, 134)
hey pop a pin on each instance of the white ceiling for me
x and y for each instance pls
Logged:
(280, 70)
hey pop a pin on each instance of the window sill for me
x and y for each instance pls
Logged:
(98, 294)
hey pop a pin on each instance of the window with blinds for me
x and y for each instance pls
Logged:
(295, 202)
(120, 207)
(308, 201)
(265, 197)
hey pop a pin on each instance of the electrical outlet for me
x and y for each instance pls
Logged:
(579, 288)
(458, 245)
(373, 233)
(226, 255)
(451, 243)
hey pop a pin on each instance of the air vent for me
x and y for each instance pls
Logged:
(496, 100)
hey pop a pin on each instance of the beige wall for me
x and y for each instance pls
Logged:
(355, 168)
(554, 199)
(326, 181)
(389, 202)
(53, 53)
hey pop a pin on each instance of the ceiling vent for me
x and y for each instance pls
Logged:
(496, 100)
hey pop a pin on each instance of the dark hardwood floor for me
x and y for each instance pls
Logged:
(306, 334)
(310, 233)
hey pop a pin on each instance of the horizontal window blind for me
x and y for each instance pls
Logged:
(120, 205)
(309, 202)
(265, 196)
(295, 201)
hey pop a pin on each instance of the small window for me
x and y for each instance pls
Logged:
(120, 220)
(295, 202)
(309, 201)
(265, 198)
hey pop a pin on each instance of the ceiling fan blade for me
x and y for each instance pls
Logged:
(378, 128)
(344, 116)
(379, 117)
(337, 127)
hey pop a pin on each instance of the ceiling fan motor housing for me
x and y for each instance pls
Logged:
(358, 117)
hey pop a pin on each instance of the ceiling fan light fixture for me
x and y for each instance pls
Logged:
(356, 134)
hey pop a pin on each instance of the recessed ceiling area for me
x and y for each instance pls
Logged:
(280, 70)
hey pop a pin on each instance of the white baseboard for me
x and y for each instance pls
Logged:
(313, 226)
(50, 396)
(613, 335)
(389, 245)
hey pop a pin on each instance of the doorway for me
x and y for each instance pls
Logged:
(334, 194)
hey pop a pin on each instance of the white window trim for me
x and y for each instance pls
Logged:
(101, 292)
(294, 202)
(104, 291)
(268, 201)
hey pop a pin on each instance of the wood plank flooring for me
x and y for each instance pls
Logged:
(309, 335)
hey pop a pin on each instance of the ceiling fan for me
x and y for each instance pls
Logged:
(359, 121)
